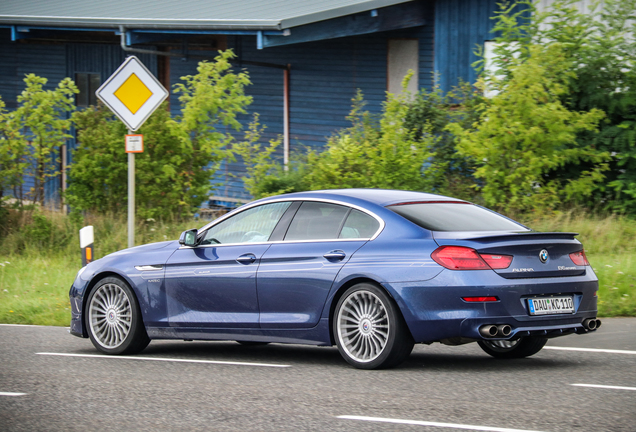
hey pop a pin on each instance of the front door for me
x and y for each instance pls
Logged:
(214, 283)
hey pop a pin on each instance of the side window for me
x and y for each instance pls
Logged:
(250, 226)
(359, 225)
(316, 221)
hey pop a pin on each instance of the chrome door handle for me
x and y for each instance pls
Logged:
(246, 258)
(335, 255)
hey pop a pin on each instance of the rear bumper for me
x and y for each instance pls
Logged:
(434, 309)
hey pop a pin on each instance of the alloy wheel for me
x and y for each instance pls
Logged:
(110, 315)
(363, 326)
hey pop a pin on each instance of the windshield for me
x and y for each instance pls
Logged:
(456, 216)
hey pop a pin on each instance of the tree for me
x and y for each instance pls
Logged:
(180, 156)
(600, 46)
(33, 133)
(525, 133)
(429, 113)
(369, 154)
(12, 164)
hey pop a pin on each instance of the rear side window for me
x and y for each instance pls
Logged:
(359, 225)
(455, 217)
(317, 221)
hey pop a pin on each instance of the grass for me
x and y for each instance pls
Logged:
(35, 276)
(34, 290)
(37, 268)
(610, 246)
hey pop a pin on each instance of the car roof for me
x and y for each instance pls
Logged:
(382, 197)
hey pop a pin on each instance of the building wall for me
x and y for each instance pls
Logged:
(55, 62)
(461, 26)
(325, 76)
(18, 60)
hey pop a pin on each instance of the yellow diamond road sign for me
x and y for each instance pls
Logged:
(132, 93)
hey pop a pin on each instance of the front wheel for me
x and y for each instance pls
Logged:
(369, 329)
(114, 320)
(519, 348)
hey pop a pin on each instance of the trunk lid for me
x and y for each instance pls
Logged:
(535, 254)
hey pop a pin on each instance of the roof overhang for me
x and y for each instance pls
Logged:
(185, 14)
(283, 22)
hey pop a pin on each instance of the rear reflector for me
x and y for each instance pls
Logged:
(497, 262)
(480, 299)
(464, 258)
(579, 258)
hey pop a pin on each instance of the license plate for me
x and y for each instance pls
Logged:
(551, 305)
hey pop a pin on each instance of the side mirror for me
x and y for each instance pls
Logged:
(188, 238)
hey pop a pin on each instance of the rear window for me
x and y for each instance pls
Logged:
(455, 217)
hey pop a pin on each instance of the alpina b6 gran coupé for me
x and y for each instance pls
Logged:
(371, 271)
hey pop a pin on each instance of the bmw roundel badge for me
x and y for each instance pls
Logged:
(543, 256)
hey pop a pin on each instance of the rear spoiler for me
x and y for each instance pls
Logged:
(490, 236)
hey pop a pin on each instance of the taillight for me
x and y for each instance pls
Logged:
(579, 258)
(464, 258)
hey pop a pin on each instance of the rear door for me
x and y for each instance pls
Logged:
(295, 276)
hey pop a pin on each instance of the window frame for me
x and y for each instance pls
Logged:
(287, 220)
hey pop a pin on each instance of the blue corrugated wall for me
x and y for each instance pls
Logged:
(47, 61)
(55, 62)
(324, 78)
(324, 75)
(460, 25)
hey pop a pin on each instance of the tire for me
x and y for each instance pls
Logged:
(369, 329)
(523, 347)
(113, 318)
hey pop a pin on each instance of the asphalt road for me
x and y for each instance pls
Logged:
(175, 385)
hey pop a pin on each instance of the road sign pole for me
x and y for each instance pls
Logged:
(131, 198)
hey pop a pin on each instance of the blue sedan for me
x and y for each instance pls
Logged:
(370, 271)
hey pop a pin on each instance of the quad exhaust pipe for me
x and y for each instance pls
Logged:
(492, 330)
(591, 323)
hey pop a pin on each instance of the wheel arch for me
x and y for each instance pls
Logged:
(344, 287)
(91, 286)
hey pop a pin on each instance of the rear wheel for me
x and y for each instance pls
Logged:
(519, 348)
(369, 329)
(114, 320)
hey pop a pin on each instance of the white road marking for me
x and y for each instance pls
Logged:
(26, 325)
(434, 424)
(167, 360)
(11, 394)
(596, 350)
(605, 386)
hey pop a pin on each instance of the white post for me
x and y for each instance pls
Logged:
(64, 162)
(131, 198)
